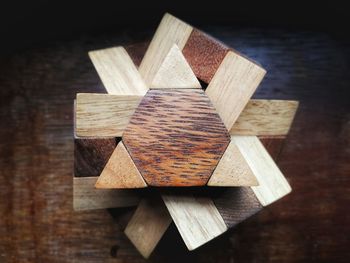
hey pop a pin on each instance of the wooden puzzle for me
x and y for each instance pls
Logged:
(201, 149)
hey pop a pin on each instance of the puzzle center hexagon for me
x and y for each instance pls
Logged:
(176, 138)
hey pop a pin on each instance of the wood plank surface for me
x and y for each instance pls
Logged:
(147, 225)
(232, 170)
(87, 197)
(175, 73)
(91, 155)
(176, 138)
(102, 115)
(233, 84)
(205, 54)
(117, 72)
(197, 219)
(265, 117)
(169, 32)
(272, 184)
(120, 171)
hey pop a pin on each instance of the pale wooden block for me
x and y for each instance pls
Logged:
(232, 86)
(169, 32)
(99, 115)
(232, 170)
(272, 184)
(175, 73)
(148, 224)
(197, 219)
(265, 117)
(87, 197)
(118, 73)
(120, 171)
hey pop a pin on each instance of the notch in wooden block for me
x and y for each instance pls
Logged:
(175, 73)
(118, 73)
(120, 171)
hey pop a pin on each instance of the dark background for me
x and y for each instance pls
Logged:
(43, 49)
(31, 23)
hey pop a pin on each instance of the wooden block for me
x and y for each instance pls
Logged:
(257, 118)
(235, 204)
(272, 183)
(265, 117)
(204, 54)
(170, 31)
(176, 138)
(101, 115)
(91, 155)
(120, 171)
(117, 72)
(232, 170)
(175, 73)
(232, 86)
(148, 224)
(86, 197)
(197, 219)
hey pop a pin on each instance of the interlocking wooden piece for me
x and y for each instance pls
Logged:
(196, 218)
(176, 138)
(101, 115)
(170, 31)
(272, 184)
(232, 170)
(204, 54)
(232, 86)
(175, 73)
(87, 197)
(117, 72)
(120, 171)
(148, 224)
(91, 155)
(265, 117)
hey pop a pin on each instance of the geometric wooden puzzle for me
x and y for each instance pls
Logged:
(158, 127)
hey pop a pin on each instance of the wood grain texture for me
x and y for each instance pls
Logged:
(265, 117)
(197, 219)
(175, 73)
(235, 204)
(204, 54)
(272, 184)
(91, 155)
(87, 197)
(176, 138)
(120, 171)
(169, 32)
(232, 86)
(102, 115)
(117, 72)
(232, 170)
(271, 118)
(147, 225)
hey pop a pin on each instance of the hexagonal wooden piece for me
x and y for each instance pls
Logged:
(176, 138)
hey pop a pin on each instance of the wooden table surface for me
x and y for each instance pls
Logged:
(38, 224)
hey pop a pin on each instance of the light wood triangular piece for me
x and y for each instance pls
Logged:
(232, 170)
(120, 171)
(175, 73)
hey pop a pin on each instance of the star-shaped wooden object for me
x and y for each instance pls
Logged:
(176, 134)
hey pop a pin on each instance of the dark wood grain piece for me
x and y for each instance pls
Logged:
(235, 204)
(204, 54)
(176, 138)
(91, 155)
